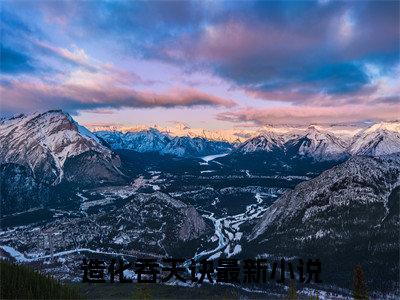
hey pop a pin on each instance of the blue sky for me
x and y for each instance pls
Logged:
(210, 64)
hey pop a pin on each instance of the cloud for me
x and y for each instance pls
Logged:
(310, 114)
(320, 50)
(71, 95)
(303, 53)
(76, 57)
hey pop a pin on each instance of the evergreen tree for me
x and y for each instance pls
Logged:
(292, 293)
(359, 286)
(23, 282)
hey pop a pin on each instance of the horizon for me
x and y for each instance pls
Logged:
(210, 65)
(234, 135)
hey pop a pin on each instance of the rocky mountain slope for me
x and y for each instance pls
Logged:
(379, 139)
(318, 145)
(147, 224)
(53, 145)
(348, 215)
(43, 150)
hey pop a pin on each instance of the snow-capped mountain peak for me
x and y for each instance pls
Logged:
(379, 139)
(320, 145)
(265, 142)
(45, 141)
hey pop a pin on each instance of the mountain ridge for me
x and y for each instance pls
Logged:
(379, 139)
(351, 208)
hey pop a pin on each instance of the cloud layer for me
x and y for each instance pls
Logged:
(310, 114)
(307, 59)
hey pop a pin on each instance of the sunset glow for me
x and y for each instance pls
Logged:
(213, 65)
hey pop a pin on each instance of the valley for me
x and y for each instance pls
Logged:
(124, 195)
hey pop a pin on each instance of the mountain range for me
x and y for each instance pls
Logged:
(315, 142)
(152, 140)
(143, 191)
(379, 139)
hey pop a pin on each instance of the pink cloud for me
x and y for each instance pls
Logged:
(23, 96)
(310, 114)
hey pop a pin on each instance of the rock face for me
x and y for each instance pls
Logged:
(152, 140)
(41, 151)
(192, 225)
(48, 142)
(349, 213)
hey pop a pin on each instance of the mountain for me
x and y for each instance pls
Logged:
(237, 135)
(318, 145)
(56, 148)
(266, 142)
(346, 216)
(322, 143)
(151, 224)
(152, 140)
(313, 143)
(187, 146)
(379, 139)
(42, 150)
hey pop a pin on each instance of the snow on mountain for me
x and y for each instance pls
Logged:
(325, 143)
(266, 142)
(183, 130)
(379, 139)
(360, 179)
(144, 223)
(186, 146)
(319, 145)
(352, 208)
(48, 142)
(152, 140)
(237, 135)
(311, 143)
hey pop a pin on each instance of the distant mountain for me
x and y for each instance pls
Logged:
(313, 143)
(187, 146)
(238, 135)
(346, 216)
(379, 139)
(266, 142)
(320, 144)
(152, 140)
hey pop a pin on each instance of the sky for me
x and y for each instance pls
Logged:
(208, 64)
